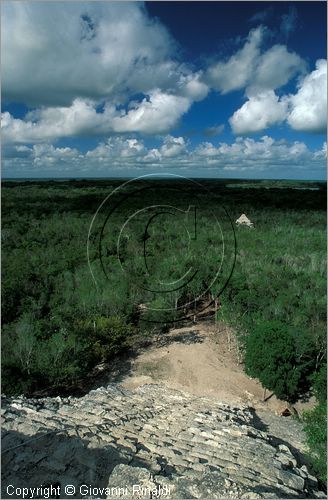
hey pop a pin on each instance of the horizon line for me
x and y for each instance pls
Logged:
(159, 177)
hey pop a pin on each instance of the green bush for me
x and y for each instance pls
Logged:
(61, 359)
(105, 336)
(315, 426)
(319, 380)
(275, 356)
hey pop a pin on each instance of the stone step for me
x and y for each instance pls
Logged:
(153, 428)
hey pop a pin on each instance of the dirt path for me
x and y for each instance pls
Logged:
(203, 360)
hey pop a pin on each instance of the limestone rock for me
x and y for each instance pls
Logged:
(166, 443)
(243, 220)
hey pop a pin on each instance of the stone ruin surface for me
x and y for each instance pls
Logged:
(152, 442)
(244, 221)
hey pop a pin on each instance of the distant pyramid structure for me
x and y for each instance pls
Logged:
(244, 220)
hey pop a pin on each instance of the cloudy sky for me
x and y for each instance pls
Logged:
(203, 89)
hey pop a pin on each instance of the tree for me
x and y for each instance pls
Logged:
(272, 357)
(316, 429)
(25, 342)
(60, 359)
(319, 380)
(104, 336)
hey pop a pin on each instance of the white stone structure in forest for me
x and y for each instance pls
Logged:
(244, 221)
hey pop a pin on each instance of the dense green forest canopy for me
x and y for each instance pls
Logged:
(59, 320)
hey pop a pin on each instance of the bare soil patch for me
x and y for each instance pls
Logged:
(202, 359)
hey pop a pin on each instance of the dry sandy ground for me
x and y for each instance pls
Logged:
(203, 360)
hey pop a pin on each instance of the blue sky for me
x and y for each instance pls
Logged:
(202, 89)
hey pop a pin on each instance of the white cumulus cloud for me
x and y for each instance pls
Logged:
(156, 113)
(275, 68)
(235, 73)
(118, 154)
(70, 62)
(308, 107)
(173, 146)
(265, 154)
(258, 113)
(255, 70)
(304, 111)
(118, 148)
(51, 54)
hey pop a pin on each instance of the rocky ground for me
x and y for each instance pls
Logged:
(184, 421)
(165, 442)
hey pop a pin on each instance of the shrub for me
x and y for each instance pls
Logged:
(61, 359)
(273, 356)
(319, 380)
(25, 343)
(105, 336)
(316, 429)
